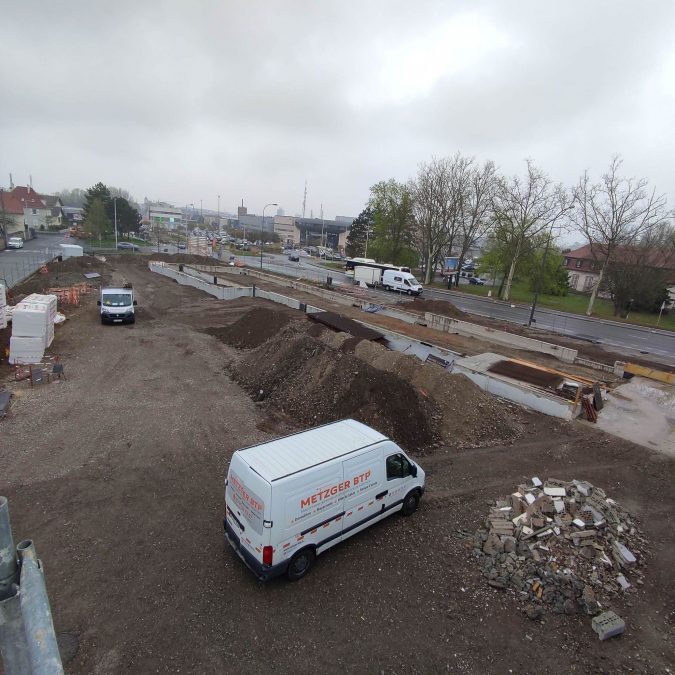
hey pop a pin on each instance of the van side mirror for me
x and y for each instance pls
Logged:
(413, 470)
(135, 302)
(98, 302)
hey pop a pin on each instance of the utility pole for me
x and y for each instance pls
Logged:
(115, 205)
(219, 230)
(304, 200)
(540, 278)
(322, 225)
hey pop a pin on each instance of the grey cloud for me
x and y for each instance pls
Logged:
(186, 100)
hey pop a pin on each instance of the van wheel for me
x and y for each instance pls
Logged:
(410, 503)
(300, 564)
(387, 288)
(409, 292)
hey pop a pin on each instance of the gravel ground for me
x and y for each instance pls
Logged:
(117, 475)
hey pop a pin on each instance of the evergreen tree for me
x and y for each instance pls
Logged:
(98, 191)
(361, 230)
(97, 222)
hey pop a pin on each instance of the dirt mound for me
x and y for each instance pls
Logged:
(315, 384)
(442, 307)
(471, 417)
(252, 329)
(65, 273)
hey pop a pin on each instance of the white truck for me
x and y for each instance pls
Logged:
(117, 305)
(288, 500)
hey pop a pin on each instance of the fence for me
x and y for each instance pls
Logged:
(17, 266)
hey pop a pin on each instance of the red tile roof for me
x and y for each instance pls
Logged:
(20, 198)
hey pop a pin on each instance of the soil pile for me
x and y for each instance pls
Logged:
(315, 384)
(442, 307)
(471, 417)
(66, 273)
(252, 329)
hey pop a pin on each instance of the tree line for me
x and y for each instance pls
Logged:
(453, 203)
(101, 203)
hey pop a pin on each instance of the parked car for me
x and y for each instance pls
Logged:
(15, 242)
(127, 246)
(181, 246)
(294, 256)
(475, 281)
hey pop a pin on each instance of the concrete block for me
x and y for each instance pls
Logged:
(623, 582)
(536, 482)
(579, 523)
(583, 487)
(555, 491)
(607, 625)
(626, 557)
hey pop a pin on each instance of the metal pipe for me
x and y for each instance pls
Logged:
(12, 639)
(43, 650)
(9, 570)
(13, 647)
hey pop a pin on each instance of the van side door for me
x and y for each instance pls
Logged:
(400, 477)
(364, 500)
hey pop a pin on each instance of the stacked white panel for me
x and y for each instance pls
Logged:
(26, 349)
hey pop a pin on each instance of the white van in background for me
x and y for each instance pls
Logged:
(293, 498)
(393, 280)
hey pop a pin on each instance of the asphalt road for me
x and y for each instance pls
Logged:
(617, 336)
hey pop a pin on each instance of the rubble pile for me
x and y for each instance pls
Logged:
(565, 545)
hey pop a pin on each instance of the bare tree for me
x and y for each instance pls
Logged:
(524, 208)
(437, 193)
(614, 213)
(476, 217)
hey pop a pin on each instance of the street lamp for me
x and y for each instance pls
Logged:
(262, 228)
(115, 205)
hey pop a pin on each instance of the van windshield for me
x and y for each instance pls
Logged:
(413, 282)
(116, 300)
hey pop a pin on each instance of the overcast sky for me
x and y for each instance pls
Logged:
(187, 99)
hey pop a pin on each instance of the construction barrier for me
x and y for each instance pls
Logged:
(651, 373)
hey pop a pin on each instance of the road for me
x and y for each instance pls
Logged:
(634, 339)
(16, 265)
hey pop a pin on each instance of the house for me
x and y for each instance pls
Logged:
(17, 204)
(584, 270)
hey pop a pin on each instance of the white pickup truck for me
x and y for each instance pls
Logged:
(117, 305)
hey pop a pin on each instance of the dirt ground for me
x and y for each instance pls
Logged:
(117, 474)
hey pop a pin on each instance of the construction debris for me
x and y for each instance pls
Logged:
(607, 625)
(561, 544)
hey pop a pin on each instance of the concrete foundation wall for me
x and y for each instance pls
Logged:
(449, 325)
(516, 393)
(307, 288)
(399, 314)
(185, 279)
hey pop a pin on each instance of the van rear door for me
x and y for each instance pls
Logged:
(364, 501)
(247, 513)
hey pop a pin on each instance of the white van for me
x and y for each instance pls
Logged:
(117, 305)
(393, 280)
(293, 498)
